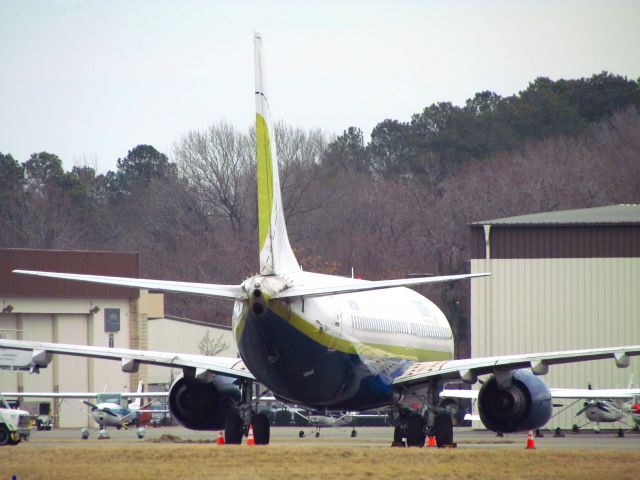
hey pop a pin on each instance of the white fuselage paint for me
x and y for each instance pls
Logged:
(597, 415)
(399, 318)
(101, 417)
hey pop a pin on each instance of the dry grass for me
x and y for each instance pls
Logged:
(155, 461)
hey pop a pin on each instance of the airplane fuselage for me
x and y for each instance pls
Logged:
(101, 417)
(339, 351)
(120, 417)
(596, 414)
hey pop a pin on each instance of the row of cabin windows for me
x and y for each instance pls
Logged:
(372, 324)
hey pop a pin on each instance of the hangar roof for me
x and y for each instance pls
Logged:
(626, 214)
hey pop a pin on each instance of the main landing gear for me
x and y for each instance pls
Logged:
(412, 431)
(239, 420)
(435, 420)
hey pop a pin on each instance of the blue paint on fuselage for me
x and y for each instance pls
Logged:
(303, 371)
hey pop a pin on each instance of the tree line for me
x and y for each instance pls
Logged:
(399, 204)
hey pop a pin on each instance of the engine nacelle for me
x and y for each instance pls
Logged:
(524, 405)
(203, 406)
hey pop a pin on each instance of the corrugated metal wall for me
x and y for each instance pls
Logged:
(537, 305)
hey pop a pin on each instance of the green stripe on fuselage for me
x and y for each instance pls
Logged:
(353, 347)
(265, 179)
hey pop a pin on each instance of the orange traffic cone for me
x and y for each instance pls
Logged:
(250, 440)
(531, 444)
(431, 441)
(220, 440)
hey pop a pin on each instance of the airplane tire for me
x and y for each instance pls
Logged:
(398, 437)
(444, 430)
(416, 434)
(233, 429)
(301, 434)
(261, 429)
(317, 434)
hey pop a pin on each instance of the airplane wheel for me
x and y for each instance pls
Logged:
(261, 429)
(317, 434)
(416, 434)
(301, 434)
(455, 410)
(39, 425)
(354, 434)
(444, 430)
(398, 440)
(233, 429)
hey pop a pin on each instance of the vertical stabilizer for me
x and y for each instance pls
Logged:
(276, 255)
(138, 401)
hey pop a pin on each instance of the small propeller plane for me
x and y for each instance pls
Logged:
(109, 409)
(605, 405)
(327, 419)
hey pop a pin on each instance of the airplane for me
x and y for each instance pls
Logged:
(327, 419)
(328, 342)
(109, 409)
(605, 405)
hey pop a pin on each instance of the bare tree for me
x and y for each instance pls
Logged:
(217, 164)
(212, 346)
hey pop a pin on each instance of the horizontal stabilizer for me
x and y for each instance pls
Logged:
(364, 285)
(208, 289)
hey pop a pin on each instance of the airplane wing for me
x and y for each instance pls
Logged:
(599, 393)
(49, 394)
(41, 356)
(566, 393)
(82, 395)
(208, 289)
(364, 285)
(468, 369)
(146, 394)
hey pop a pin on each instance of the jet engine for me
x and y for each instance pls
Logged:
(203, 406)
(525, 404)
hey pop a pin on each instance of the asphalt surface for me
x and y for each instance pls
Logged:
(367, 437)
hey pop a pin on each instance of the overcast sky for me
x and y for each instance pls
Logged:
(90, 80)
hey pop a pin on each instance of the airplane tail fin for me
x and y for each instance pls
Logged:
(138, 401)
(276, 255)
